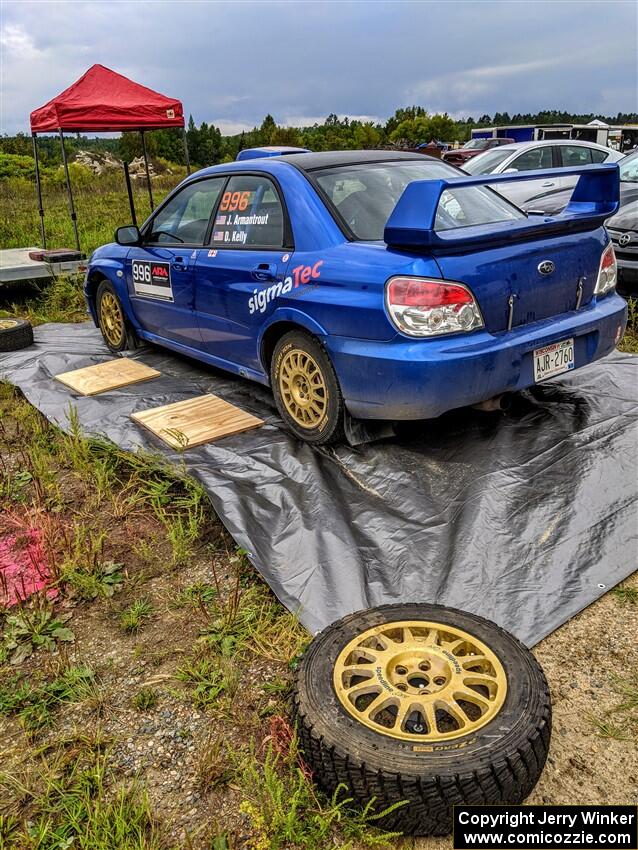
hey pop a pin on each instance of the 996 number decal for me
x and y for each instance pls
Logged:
(152, 279)
(232, 201)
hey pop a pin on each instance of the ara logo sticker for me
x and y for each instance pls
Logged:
(301, 276)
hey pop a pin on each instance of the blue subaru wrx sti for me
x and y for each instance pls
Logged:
(384, 283)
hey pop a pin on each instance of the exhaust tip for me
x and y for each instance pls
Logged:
(497, 402)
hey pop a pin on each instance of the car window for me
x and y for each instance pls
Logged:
(464, 207)
(629, 168)
(249, 214)
(184, 219)
(598, 156)
(574, 155)
(486, 163)
(364, 195)
(533, 159)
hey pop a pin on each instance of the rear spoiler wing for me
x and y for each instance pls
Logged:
(412, 222)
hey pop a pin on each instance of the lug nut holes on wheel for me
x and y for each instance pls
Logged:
(444, 683)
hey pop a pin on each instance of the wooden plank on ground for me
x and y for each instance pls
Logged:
(196, 421)
(120, 372)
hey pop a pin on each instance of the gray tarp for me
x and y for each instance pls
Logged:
(524, 518)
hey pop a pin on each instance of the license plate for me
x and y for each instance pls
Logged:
(553, 359)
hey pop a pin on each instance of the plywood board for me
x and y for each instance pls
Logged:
(196, 421)
(120, 372)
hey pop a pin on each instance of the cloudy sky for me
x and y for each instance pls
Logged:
(231, 62)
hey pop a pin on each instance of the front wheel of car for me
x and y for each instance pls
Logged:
(117, 332)
(306, 389)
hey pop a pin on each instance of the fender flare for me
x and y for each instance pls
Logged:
(288, 315)
(108, 269)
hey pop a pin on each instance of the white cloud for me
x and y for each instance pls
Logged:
(16, 41)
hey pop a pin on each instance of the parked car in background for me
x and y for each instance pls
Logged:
(473, 148)
(622, 227)
(534, 156)
(387, 284)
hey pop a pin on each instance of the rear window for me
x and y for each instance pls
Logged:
(364, 195)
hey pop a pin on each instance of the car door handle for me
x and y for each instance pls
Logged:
(264, 272)
(547, 184)
(178, 264)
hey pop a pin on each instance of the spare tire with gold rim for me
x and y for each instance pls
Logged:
(423, 704)
(116, 330)
(15, 334)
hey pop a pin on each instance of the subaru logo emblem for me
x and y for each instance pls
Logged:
(624, 239)
(546, 267)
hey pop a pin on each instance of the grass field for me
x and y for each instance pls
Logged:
(145, 708)
(101, 205)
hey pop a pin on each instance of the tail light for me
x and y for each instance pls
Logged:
(607, 273)
(422, 307)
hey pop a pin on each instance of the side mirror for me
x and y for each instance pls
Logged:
(129, 235)
(511, 171)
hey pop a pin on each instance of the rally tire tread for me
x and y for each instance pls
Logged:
(507, 779)
(20, 336)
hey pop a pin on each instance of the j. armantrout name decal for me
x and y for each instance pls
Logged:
(301, 276)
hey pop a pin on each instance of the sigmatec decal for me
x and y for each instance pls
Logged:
(301, 276)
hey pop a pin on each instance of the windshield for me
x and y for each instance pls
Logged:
(475, 144)
(364, 195)
(629, 168)
(485, 163)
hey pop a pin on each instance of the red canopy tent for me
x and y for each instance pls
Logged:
(103, 101)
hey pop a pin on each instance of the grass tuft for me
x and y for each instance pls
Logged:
(35, 703)
(285, 810)
(145, 699)
(134, 617)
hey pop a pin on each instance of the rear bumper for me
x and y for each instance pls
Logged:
(406, 379)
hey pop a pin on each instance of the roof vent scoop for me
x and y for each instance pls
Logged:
(271, 150)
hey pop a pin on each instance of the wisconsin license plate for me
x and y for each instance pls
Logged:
(553, 359)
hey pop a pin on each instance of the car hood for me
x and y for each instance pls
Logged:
(461, 154)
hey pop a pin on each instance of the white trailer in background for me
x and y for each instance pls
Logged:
(16, 265)
(596, 131)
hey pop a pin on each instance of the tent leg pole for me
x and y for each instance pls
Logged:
(186, 156)
(70, 193)
(148, 176)
(129, 191)
(38, 186)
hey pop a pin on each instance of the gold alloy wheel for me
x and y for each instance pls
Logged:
(420, 681)
(111, 319)
(303, 388)
(7, 324)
